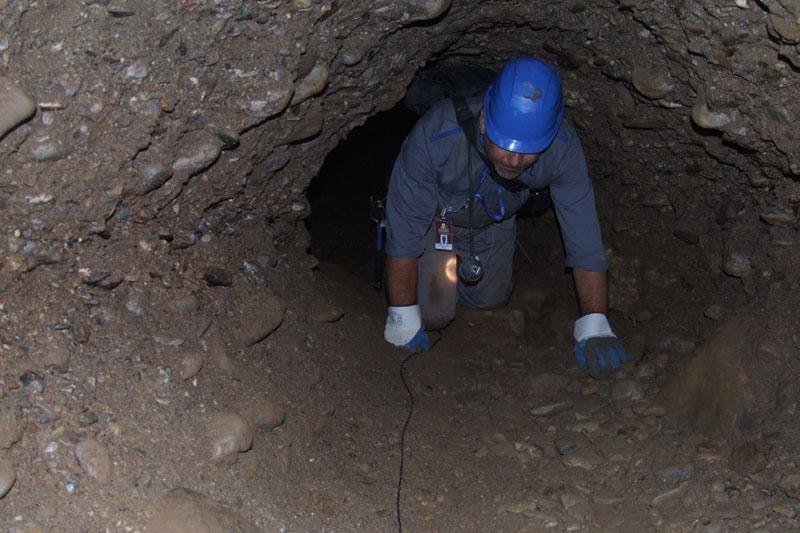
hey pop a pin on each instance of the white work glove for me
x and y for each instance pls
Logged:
(592, 325)
(404, 328)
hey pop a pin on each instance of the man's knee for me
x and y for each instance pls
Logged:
(436, 288)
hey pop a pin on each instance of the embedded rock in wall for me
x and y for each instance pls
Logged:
(15, 106)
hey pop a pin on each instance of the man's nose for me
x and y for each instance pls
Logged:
(514, 159)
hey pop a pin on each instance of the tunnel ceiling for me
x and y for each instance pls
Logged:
(177, 114)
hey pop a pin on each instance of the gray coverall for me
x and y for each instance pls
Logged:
(430, 178)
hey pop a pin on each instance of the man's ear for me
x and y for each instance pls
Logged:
(480, 123)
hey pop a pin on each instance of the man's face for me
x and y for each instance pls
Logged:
(507, 164)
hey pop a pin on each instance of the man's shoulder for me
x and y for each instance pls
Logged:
(563, 159)
(566, 144)
(439, 123)
(567, 134)
(442, 113)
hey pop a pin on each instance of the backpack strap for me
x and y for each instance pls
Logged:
(465, 118)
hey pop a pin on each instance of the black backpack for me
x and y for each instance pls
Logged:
(438, 83)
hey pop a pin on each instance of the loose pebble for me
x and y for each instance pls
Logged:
(87, 418)
(783, 510)
(182, 510)
(713, 312)
(190, 364)
(217, 277)
(627, 390)
(48, 151)
(268, 415)
(228, 435)
(736, 263)
(219, 354)
(565, 445)
(652, 82)
(94, 458)
(32, 381)
(668, 497)
(551, 409)
(331, 314)
(547, 384)
(10, 424)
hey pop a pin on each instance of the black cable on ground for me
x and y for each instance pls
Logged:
(405, 427)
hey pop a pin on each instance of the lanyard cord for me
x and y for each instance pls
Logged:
(471, 202)
(497, 217)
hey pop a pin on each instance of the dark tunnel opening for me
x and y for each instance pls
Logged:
(341, 225)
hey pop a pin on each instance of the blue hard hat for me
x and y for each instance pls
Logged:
(523, 107)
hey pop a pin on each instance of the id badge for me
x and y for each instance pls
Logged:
(444, 235)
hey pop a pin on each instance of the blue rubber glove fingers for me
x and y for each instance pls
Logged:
(609, 352)
(619, 355)
(420, 343)
(600, 355)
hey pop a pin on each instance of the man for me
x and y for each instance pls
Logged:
(455, 190)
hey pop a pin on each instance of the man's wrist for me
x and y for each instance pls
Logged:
(602, 310)
(592, 288)
(401, 303)
(401, 282)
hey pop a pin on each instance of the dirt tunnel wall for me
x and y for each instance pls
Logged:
(151, 151)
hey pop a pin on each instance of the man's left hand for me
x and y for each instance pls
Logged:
(597, 349)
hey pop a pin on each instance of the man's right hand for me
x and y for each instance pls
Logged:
(404, 328)
(597, 349)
